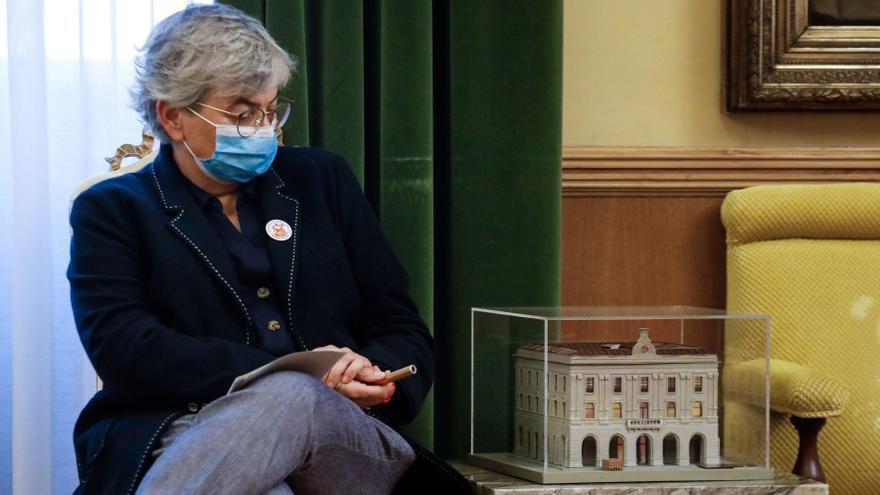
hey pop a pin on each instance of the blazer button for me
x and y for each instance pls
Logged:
(274, 326)
(263, 293)
(193, 407)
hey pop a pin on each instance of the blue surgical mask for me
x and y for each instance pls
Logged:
(238, 159)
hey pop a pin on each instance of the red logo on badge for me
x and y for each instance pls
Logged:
(279, 229)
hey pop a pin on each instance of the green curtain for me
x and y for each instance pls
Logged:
(449, 112)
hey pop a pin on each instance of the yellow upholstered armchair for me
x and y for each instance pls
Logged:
(809, 256)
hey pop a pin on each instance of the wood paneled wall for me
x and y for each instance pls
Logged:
(642, 226)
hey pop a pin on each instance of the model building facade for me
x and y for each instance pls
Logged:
(646, 403)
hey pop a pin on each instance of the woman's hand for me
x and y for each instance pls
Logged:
(365, 395)
(354, 377)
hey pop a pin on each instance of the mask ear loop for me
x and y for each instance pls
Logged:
(197, 114)
(197, 159)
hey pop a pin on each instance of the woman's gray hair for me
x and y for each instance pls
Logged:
(205, 49)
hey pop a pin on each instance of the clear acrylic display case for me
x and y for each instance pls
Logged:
(600, 394)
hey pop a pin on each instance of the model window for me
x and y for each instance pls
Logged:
(591, 385)
(670, 409)
(555, 408)
(589, 410)
(520, 400)
(563, 384)
(698, 384)
(643, 383)
(618, 384)
(520, 437)
(537, 445)
(670, 384)
(563, 409)
(529, 440)
(556, 383)
(698, 409)
(521, 377)
(643, 410)
(616, 410)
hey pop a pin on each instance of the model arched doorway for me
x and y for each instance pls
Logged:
(588, 452)
(615, 448)
(643, 450)
(670, 449)
(696, 449)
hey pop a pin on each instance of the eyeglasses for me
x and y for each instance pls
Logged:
(248, 122)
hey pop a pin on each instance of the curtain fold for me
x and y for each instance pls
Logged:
(449, 112)
(31, 414)
(400, 163)
(502, 190)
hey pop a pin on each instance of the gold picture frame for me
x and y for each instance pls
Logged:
(777, 60)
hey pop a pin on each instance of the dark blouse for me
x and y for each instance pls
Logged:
(253, 268)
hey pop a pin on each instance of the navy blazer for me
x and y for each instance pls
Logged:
(166, 330)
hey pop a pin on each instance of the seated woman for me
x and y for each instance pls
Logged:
(225, 253)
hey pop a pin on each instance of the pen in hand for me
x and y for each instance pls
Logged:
(393, 376)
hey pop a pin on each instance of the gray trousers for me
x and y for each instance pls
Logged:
(285, 433)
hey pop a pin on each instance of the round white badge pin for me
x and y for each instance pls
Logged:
(279, 230)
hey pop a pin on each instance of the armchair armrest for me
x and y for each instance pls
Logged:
(794, 389)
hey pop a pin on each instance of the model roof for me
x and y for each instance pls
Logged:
(611, 348)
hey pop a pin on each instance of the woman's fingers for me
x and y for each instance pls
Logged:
(326, 348)
(365, 395)
(371, 374)
(335, 373)
(354, 368)
(346, 369)
(349, 367)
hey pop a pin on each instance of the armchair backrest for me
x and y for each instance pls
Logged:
(808, 255)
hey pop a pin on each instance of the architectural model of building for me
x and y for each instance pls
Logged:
(646, 403)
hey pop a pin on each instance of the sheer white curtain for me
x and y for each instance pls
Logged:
(65, 67)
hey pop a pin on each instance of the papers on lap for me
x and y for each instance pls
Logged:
(315, 363)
